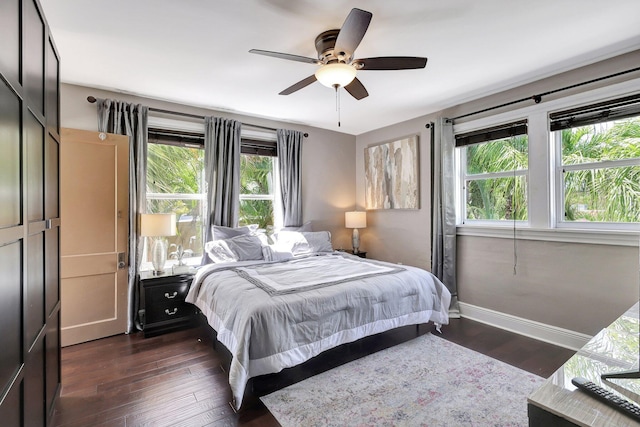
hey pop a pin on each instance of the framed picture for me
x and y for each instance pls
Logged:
(391, 175)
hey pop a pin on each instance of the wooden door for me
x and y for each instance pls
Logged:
(94, 204)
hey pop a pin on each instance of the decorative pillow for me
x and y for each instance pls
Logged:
(302, 243)
(222, 233)
(247, 247)
(244, 247)
(218, 251)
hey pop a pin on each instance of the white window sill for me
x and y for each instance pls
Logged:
(598, 237)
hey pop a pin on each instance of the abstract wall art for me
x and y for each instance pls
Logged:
(392, 177)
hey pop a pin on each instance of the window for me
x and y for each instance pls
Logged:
(257, 195)
(493, 167)
(176, 184)
(598, 168)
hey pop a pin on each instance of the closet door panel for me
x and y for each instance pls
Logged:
(52, 272)
(52, 85)
(34, 319)
(52, 359)
(52, 234)
(11, 409)
(34, 410)
(35, 169)
(10, 312)
(10, 52)
(10, 160)
(33, 56)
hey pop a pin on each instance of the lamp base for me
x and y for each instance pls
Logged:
(355, 241)
(158, 255)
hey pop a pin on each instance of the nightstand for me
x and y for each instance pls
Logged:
(163, 298)
(360, 254)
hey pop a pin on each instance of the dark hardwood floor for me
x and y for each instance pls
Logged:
(178, 379)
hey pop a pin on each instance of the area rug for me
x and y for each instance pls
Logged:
(427, 381)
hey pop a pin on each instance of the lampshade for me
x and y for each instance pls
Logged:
(335, 74)
(155, 225)
(355, 219)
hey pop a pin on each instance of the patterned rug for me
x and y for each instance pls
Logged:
(427, 381)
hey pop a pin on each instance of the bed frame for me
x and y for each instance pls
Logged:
(329, 359)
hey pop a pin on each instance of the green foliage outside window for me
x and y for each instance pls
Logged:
(173, 170)
(497, 198)
(256, 179)
(602, 194)
(594, 190)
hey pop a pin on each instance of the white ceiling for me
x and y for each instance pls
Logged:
(195, 52)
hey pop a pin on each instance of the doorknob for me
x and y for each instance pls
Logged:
(121, 262)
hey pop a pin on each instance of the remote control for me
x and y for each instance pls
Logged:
(603, 395)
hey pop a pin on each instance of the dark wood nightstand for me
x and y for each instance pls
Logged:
(163, 298)
(360, 254)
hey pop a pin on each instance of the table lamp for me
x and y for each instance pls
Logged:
(355, 220)
(158, 226)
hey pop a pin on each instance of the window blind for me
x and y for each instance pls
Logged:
(491, 134)
(196, 140)
(620, 108)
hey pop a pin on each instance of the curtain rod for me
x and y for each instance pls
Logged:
(93, 99)
(538, 98)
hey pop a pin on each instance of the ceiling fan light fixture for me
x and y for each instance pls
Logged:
(339, 74)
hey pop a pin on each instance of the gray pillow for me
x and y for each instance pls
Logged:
(221, 233)
(240, 248)
(247, 247)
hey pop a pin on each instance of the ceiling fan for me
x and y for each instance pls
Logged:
(338, 68)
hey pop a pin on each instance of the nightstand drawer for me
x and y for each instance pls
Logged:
(168, 312)
(167, 294)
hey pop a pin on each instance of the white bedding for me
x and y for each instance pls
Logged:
(269, 320)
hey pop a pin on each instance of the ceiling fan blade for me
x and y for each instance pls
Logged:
(302, 83)
(287, 56)
(352, 32)
(392, 63)
(356, 89)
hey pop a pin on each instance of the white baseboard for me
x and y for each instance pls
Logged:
(540, 331)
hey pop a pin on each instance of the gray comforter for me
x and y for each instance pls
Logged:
(274, 315)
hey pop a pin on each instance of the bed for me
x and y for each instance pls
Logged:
(284, 307)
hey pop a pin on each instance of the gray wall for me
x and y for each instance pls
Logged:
(328, 176)
(575, 286)
(579, 287)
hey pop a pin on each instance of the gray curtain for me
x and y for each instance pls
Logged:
(290, 159)
(222, 173)
(443, 248)
(131, 120)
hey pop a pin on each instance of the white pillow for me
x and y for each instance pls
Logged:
(303, 243)
(244, 247)
(218, 251)
(271, 253)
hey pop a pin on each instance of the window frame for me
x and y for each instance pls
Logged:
(559, 192)
(462, 177)
(542, 191)
(188, 143)
(273, 197)
(190, 134)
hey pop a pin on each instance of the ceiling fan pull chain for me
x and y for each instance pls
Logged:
(337, 102)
